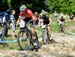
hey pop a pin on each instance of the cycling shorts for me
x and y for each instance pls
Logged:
(29, 20)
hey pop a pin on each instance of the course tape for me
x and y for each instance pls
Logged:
(7, 41)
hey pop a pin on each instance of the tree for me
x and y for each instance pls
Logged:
(66, 6)
(3, 5)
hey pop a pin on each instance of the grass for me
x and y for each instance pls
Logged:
(73, 31)
(54, 27)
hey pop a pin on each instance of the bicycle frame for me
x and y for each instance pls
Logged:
(29, 36)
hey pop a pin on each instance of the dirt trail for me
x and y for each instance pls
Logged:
(65, 47)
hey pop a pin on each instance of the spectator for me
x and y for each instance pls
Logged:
(12, 23)
(12, 18)
(35, 18)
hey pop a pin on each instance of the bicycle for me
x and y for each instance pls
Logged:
(27, 38)
(35, 42)
(45, 34)
(61, 27)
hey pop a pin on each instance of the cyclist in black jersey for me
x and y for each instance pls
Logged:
(45, 21)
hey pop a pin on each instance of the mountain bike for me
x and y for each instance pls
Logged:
(35, 42)
(26, 40)
(45, 34)
(61, 27)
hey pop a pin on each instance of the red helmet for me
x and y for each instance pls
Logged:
(28, 13)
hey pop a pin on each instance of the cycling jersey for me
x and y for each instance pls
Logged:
(22, 15)
(26, 15)
(71, 16)
(62, 17)
(55, 14)
(45, 19)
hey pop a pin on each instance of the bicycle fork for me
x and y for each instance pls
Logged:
(29, 46)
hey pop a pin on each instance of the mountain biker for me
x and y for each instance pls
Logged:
(45, 20)
(55, 16)
(71, 17)
(61, 21)
(26, 15)
(62, 17)
(40, 17)
(12, 23)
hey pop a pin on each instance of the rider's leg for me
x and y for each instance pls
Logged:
(33, 31)
(49, 31)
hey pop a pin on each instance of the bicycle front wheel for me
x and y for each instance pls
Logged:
(61, 28)
(45, 37)
(22, 40)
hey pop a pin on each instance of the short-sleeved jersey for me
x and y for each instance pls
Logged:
(71, 16)
(45, 17)
(35, 17)
(27, 13)
(21, 14)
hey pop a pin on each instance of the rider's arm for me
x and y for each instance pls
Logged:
(18, 20)
(20, 17)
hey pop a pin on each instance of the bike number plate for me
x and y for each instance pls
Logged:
(35, 43)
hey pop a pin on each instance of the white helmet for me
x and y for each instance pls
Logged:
(22, 8)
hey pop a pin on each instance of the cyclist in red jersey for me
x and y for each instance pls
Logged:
(27, 16)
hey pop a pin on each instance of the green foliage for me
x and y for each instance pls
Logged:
(67, 6)
(3, 5)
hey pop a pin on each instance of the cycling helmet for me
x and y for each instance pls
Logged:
(22, 8)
